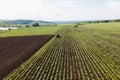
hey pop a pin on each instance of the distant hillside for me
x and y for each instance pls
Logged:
(17, 21)
(88, 21)
(25, 22)
(43, 22)
(67, 22)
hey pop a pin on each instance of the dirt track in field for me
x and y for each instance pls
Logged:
(15, 50)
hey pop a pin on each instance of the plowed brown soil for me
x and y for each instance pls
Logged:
(15, 50)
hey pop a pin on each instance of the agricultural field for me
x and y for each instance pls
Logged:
(86, 52)
(46, 30)
(16, 50)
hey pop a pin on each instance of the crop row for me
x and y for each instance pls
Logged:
(70, 57)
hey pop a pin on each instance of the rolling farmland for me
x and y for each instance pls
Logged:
(46, 30)
(86, 52)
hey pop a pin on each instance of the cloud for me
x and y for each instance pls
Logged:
(113, 4)
(59, 9)
(15, 9)
(110, 10)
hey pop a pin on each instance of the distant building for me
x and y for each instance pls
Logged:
(7, 28)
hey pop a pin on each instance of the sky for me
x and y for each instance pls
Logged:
(60, 10)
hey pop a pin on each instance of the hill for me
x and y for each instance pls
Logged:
(25, 22)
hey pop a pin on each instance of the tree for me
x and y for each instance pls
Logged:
(76, 26)
(27, 26)
(9, 29)
(118, 20)
(35, 25)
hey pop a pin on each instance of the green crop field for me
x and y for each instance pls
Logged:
(31, 31)
(86, 52)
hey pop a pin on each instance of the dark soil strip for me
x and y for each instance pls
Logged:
(16, 50)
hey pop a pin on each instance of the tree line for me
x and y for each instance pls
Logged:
(104, 21)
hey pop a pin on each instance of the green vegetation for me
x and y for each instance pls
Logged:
(104, 21)
(35, 25)
(30, 31)
(105, 27)
(85, 52)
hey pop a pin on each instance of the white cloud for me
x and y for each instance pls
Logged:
(59, 9)
(11, 9)
(110, 10)
(113, 4)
